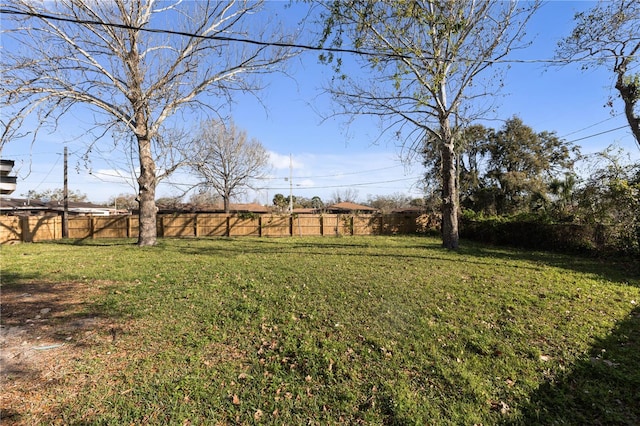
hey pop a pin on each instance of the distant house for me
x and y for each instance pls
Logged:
(29, 207)
(350, 208)
(410, 210)
(22, 207)
(80, 208)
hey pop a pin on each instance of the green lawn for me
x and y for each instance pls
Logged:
(354, 330)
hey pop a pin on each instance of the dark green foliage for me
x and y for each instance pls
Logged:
(539, 233)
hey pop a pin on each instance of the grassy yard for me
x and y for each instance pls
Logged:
(371, 330)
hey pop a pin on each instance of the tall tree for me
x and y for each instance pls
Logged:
(608, 35)
(425, 55)
(522, 163)
(118, 59)
(280, 201)
(226, 160)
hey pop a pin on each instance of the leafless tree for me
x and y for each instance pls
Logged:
(426, 58)
(347, 195)
(139, 67)
(205, 197)
(226, 160)
(123, 201)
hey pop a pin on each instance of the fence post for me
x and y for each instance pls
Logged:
(24, 226)
(195, 225)
(92, 227)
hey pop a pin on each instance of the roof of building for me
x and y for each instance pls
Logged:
(32, 205)
(350, 207)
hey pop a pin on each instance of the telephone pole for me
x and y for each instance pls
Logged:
(290, 184)
(65, 213)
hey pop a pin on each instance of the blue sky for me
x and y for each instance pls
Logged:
(331, 155)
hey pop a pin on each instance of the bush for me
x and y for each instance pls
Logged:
(544, 235)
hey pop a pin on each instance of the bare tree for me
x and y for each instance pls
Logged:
(388, 203)
(426, 56)
(610, 34)
(347, 195)
(118, 60)
(123, 201)
(205, 197)
(226, 160)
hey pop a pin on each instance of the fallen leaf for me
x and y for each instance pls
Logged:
(235, 399)
(257, 415)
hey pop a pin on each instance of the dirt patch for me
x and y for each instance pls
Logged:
(45, 328)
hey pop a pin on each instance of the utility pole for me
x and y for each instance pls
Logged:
(65, 213)
(290, 184)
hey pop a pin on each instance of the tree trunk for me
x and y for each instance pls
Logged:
(449, 191)
(225, 200)
(147, 194)
(630, 93)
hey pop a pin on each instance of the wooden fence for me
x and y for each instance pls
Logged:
(43, 228)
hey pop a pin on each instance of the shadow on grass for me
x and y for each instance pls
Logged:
(617, 270)
(603, 389)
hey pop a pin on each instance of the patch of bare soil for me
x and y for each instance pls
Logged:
(45, 327)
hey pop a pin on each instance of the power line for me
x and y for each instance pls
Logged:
(597, 134)
(591, 125)
(201, 36)
(284, 44)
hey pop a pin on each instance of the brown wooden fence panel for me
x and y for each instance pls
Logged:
(110, 227)
(212, 225)
(10, 229)
(241, 226)
(275, 226)
(307, 225)
(366, 225)
(134, 226)
(177, 225)
(42, 228)
(392, 224)
(336, 224)
(80, 227)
